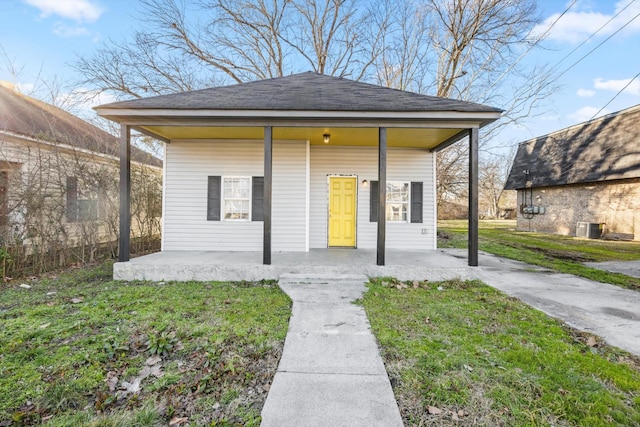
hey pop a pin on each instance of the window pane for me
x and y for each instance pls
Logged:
(237, 192)
(397, 201)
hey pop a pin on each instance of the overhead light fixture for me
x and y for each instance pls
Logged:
(365, 183)
(325, 138)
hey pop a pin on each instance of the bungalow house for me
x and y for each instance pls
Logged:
(58, 182)
(299, 163)
(583, 177)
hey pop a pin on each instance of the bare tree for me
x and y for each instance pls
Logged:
(234, 41)
(464, 49)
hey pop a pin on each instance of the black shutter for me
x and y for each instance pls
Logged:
(213, 198)
(72, 199)
(373, 202)
(257, 198)
(416, 202)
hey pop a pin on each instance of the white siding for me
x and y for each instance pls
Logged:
(189, 163)
(402, 165)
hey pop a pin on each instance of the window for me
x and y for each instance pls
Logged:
(85, 209)
(236, 197)
(397, 201)
(399, 196)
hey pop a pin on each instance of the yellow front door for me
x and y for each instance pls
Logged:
(342, 211)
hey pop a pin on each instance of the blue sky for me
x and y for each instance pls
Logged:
(42, 37)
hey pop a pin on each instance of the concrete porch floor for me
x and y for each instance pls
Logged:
(231, 266)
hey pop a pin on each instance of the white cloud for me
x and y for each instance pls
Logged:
(586, 113)
(576, 25)
(78, 10)
(617, 85)
(585, 93)
(66, 31)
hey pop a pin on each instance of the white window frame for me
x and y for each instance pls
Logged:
(223, 200)
(390, 202)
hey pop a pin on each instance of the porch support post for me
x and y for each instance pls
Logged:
(382, 193)
(268, 175)
(125, 194)
(472, 246)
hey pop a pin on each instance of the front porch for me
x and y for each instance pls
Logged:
(233, 266)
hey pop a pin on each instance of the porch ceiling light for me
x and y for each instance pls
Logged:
(325, 138)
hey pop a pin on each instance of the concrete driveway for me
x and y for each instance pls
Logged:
(608, 311)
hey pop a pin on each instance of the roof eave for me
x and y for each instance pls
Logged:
(175, 117)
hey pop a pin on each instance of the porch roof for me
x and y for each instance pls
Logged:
(303, 107)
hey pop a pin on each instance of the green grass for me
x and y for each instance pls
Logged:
(493, 361)
(62, 339)
(561, 253)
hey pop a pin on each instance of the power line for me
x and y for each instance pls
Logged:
(595, 32)
(615, 96)
(600, 44)
(534, 44)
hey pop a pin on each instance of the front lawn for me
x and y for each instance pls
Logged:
(81, 349)
(461, 353)
(561, 253)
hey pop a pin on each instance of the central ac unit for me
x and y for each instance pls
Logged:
(590, 230)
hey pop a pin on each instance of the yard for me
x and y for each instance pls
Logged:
(561, 253)
(81, 349)
(461, 353)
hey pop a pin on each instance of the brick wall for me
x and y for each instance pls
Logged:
(615, 203)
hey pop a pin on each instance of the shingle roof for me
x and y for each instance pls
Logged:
(603, 149)
(303, 92)
(24, 115)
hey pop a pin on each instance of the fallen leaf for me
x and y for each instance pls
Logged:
(153, 360)
(468, 368)
(440, 288)
(45, 325)
(76, 300)
(416, 284)
(591, 341)
(434, 411)
(25, 286)
(176, 421)
(427, 320)
(112, 381)
(461, 413)
(454, 416)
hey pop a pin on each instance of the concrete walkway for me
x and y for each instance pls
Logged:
(331, 372)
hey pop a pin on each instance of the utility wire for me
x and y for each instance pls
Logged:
(594, 33)
(534, 44)
(616, 95)
(600, 44)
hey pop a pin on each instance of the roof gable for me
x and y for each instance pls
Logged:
(23, 115)
(303, 92)
(603, 149)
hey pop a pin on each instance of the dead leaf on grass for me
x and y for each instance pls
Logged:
(468, 368)
(591, 341)
(416, 284)
(44, 325)
(76, 300)
(153, 360)
(176, 421)
(427, 320)
(434, 411)
(112, 381)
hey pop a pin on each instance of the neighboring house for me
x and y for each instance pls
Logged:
(585, 173)
(294, 163)
(59, 180)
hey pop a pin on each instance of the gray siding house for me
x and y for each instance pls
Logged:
(589, 173)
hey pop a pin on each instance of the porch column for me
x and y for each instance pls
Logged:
(268, 174)
(472, 246)
(382, 193)
(125, 194)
